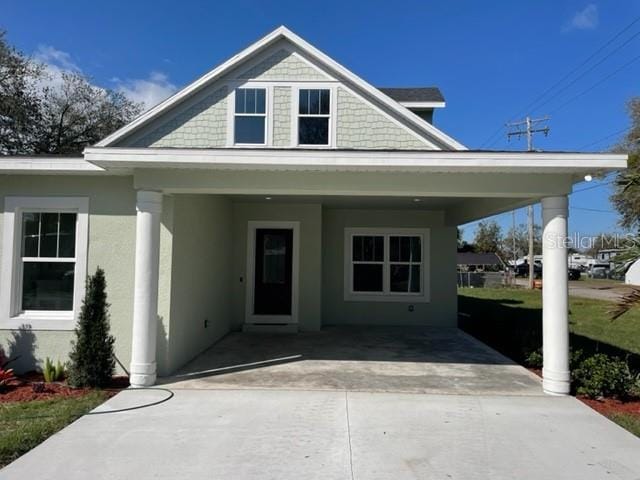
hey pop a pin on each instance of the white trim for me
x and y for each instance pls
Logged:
(284, 33)
(295, 115)
(68, 165)
(249, 316)
(386, 295)
(268, 114)
(10, 316)
(355, 160)
(419, 105)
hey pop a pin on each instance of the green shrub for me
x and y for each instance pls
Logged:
(534, 358)
(51, 372)
(603, 376)
(92, 361)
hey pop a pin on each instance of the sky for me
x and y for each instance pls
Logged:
(494, 61)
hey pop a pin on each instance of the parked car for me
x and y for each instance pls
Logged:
(575, 274)
(598, 271)
(522, 270)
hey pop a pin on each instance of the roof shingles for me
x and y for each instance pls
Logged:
(414, 94)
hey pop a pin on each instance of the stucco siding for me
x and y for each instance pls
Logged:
(282, 116)
(441, 310)
(111, 246)
(200, 276)
(198, 123)
(282, 65)
(360, 125)
(310, 218)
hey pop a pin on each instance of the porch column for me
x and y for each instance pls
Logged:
(555, 297)
(145, 300)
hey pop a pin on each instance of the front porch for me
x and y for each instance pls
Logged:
(420, 360)
(201, 214)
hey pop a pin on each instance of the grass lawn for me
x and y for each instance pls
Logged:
(510, 320)
(23, 425)
(521, 309)
(627, 421)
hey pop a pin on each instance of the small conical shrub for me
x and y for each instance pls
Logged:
(92, 361)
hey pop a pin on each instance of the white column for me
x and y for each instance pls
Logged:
(555, 297)
(145, 300)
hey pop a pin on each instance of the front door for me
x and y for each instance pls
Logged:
(272, 294)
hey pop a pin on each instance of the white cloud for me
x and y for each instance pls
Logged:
(56, 62)
(52, 56)
(149, 91)
(585, 19)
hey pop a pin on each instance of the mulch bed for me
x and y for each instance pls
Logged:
(31, 386)
(611, 406)
(605, 406)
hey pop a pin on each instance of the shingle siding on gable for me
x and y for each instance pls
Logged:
(200, 125)
(283, 65)
(360, 126)
(282, 116)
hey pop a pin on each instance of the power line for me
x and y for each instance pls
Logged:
(598, 83)
(607, 137)
(589, 70)
(583, 63)
(592, 210)
(593, 186)
(568, 75)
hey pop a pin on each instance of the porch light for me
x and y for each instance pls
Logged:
(588, 178)
(267, 198)
(417, 200)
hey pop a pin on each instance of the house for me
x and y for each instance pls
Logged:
(607, 255)
(471, 261)
(278, 192)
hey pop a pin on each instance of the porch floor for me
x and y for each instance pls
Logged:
(370, 359)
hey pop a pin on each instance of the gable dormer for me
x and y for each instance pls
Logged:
(423, 101)
(283, 93)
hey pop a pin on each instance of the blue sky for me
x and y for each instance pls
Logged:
(491, 59)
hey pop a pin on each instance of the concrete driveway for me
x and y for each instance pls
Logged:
(372, 359)
(363, 404)
(326, 435)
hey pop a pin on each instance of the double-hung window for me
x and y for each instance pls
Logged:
(386, 264)
(314, 106)
(250, 120)
(44, 261)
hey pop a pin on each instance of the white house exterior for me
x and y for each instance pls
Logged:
(278, 192)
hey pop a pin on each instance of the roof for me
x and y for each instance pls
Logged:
(471, 258)
(433, 134)
(413, 94)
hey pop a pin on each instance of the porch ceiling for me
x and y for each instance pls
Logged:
(352, 202)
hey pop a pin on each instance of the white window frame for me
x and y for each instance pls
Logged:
(295, 108)
(387, 295)
(11, 315)
(231, 114)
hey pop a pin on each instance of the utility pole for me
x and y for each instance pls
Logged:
(528, 127)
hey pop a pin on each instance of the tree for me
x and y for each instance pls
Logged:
(463, 245)
(488, 237)
(92, 358)
(626, 198)
(40, 115)
(78, 114)
(521, 236)
(19, 100)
